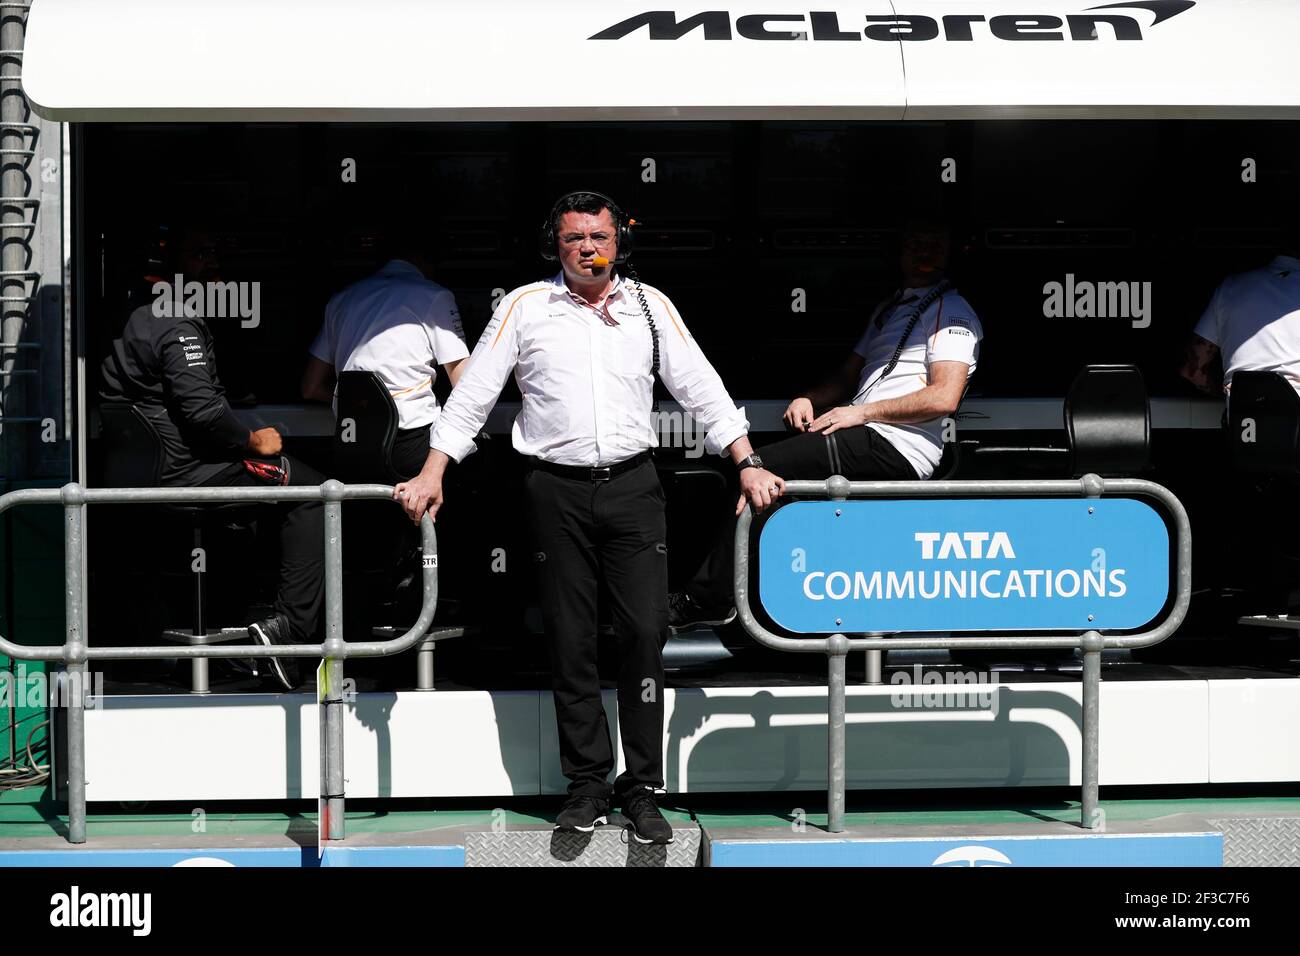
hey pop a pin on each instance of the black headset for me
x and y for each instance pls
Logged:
(622, 223)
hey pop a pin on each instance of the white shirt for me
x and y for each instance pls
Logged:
(399, 325)
(1254, 319)
(948, 331)
(584, 374)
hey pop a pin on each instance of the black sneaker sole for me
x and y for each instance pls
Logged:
(646, 841)
(599, 821)
(276, 667)
(706, 622)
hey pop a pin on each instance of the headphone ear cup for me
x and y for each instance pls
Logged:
(546, 244)
(624, 243)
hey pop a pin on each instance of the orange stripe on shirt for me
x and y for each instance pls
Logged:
(670, 314)
(509, 310)
(411, 389)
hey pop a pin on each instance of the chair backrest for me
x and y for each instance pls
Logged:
(1108, 421)
(367, 418)
(134, 455)
(1263, 424)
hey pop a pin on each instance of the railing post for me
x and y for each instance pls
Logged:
(424, 664)
(1090, 815)
(837, 654)
(332, 492)
(74, 653)
(873, 671)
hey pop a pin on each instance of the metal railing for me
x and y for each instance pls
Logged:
(76, 652)
(1092, 642)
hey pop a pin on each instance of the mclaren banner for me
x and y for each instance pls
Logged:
(1039, 564)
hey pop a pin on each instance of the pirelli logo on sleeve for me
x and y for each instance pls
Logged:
(1089, 24)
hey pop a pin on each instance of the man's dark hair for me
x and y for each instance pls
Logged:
(414, 236)
(589, 203)
(927, 224)
(167, 235)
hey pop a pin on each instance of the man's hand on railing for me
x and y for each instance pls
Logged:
(760, 486)
(422, 493)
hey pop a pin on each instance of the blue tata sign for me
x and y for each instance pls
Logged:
(999, 564)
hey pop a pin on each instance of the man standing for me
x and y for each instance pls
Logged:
(906, 373)
(584, 347)
(166, 365)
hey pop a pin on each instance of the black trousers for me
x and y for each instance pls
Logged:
(584, 532)
(859, 454)
(301, 529)
(410, 449)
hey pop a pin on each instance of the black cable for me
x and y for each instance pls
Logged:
(939, 289)
(654, 332)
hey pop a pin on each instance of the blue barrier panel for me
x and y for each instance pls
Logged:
(995, 564)
(304, 857)
(1130, 849)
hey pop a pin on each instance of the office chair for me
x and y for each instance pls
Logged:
(365, 429)
(1263, 435)
(364, 433)
(1108, 422)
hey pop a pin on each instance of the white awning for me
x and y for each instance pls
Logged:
(339, 60)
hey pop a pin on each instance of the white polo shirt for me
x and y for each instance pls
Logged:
(399, 325)
(1254, 319)
(947, 331)
(585, 376)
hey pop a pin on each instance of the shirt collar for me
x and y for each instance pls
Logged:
(1285, 264)
(560, 288)
(915, 292)
(399, 267)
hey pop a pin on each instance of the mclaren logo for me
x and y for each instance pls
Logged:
(1093, 23)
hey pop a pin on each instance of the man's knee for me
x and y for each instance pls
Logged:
(301, 473)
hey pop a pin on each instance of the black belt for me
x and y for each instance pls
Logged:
(585, 473)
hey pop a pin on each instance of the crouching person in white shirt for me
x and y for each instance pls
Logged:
(400, 325)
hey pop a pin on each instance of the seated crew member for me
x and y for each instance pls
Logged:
(1252, 324)
(583, 351)
(906, 373)
(400, 325)
(166, 365)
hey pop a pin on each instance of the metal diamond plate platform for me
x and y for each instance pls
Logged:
(1259, 841)
(606, 846)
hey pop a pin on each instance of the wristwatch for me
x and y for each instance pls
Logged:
(752, 461)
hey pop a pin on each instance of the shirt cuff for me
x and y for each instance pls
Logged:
(720, 436)
(450, 444)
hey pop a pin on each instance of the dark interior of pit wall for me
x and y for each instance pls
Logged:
(738, 216)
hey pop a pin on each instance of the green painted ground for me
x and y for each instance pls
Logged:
(28, 814)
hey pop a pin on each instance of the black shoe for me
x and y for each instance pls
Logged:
(648, 824)
(582, 813)
(271, 632)
(684, 613)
